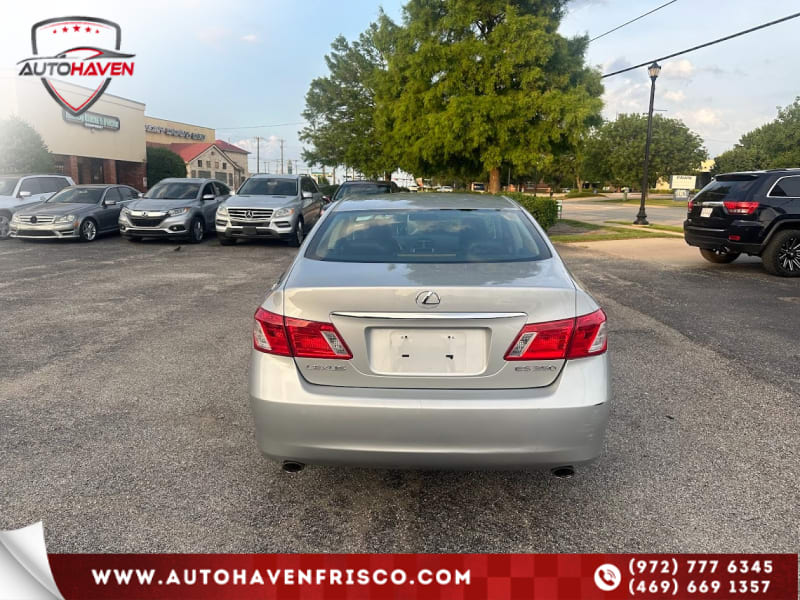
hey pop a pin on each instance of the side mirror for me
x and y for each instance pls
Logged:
(110, 202)
(25, 194)
(307, 195)
(141, 195)
(326, 199)
(208, 196)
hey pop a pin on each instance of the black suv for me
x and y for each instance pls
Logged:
(756, 213)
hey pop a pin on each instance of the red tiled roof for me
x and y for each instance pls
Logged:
(225, 146)
(189, 151)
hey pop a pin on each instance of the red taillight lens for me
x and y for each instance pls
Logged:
(590, 335)
(269, 334)
(275, 334)
(567, 338)
(311, 339)
(690, 205)
(542, 341)
(741, 208)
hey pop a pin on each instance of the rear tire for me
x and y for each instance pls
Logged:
(719, 256)
(196, 230)
(226, 241)
(782, 255)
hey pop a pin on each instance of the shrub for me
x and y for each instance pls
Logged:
(582, 194)
(22, 149)
(328, 190)
(543, 209)
(163, 163)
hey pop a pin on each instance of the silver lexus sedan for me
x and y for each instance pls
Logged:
(433, 331)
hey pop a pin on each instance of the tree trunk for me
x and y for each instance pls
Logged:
(494, 181)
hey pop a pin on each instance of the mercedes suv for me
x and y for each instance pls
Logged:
(755, 213)
(270, 206)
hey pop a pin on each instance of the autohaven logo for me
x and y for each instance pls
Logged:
(82, 50)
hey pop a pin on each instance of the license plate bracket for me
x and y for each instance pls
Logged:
(250, 230)
(418, 351)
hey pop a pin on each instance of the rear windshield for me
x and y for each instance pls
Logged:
(727, 187)
(427, 236)
(269, 186)
(362, 189)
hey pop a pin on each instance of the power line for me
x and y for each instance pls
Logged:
(722, 39)
(633, 20)
(260, 126)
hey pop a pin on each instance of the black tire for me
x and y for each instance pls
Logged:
(226, 241)
(88, 230)
(298, 236)
(197, 231)
(782, 254)
(5, 225)
(719, 257)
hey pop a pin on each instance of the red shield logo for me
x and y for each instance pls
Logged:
(82, 50)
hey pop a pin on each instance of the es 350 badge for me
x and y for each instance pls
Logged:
(82, 50)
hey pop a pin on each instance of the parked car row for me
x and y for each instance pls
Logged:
(282, 207)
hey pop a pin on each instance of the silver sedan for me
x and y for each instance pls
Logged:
(434, 331)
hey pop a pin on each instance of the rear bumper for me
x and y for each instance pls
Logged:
(714, 239)
(562, 424)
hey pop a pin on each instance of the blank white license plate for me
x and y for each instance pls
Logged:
(706, 212)
(438, 352)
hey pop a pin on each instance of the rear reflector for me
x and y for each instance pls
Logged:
(741, 208)
(275, 334)
(567, 338)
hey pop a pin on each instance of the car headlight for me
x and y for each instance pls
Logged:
(173, 212)
(125, 211)
(222, 211)
(15, 218)
(64, 219)
(283, 212)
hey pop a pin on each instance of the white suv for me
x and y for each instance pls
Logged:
(17, 191)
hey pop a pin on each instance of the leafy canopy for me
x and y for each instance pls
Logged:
(615, 153)
(771, 146)
(472, 85)
(22, 149)
(163, 163)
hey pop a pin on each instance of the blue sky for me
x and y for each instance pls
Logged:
(245, 63)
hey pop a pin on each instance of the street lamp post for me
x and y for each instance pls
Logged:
(653, 70)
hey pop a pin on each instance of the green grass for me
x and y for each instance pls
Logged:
(601, 234)
(650, 202)
(580, 224)
(674, 228)
(582, 194)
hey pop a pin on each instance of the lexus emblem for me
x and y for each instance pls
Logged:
(428, 299)
(249, 214)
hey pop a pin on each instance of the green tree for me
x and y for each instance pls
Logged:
(22, 149)
(771, 146)
(162, 163)
(340, 108)
(475, 86)
(615, 153)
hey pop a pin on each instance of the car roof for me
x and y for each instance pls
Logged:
(281, 175)
(405, 201)
(366, 182)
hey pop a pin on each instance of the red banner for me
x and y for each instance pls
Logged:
(428, 576)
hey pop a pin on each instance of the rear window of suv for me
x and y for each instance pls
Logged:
(428, 236)
(728, 187)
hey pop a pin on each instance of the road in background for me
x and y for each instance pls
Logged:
(124, 423)
(600, 211)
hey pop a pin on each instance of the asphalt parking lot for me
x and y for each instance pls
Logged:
(124, 423)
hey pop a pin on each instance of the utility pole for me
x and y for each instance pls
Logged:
(258, 155)
(281, 156)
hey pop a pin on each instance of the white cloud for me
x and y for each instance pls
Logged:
(250, 37)
(678, 69)
(678, 96)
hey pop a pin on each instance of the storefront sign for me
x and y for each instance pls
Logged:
(182, 133)
(93, 120)
(683, 182)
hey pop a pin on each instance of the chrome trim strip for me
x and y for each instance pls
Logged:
(777, 181)
(427, 315)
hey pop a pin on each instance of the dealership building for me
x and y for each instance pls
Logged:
(108, 143)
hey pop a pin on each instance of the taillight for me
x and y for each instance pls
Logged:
(311, 339)
(741, 208)
(690, 205)
(567, 338)
(590, 335)
(269, 334)
(275, 334)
